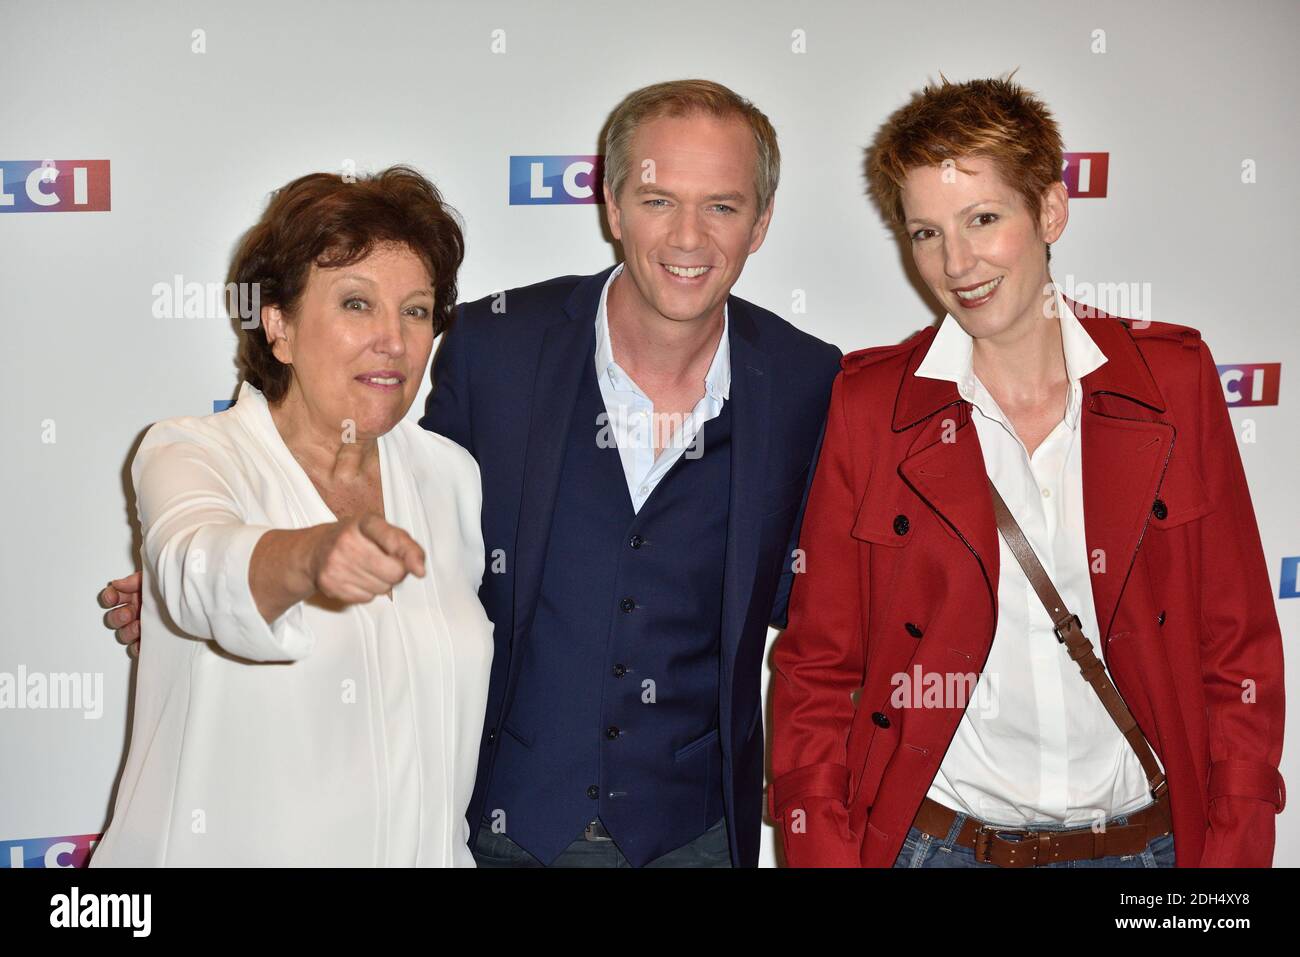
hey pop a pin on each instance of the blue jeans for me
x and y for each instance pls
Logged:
(923, 850)
(710, 849)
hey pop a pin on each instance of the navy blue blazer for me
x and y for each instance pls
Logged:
(504, 386)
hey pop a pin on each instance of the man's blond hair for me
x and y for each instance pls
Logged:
(679, 98)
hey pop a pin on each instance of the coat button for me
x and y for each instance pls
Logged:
(627, 604)
(636, 541)
(593, 792)
(1160, 509)
(492, 735)
(880, 719)
(901, 524)
(913, 630)
(611, 732)
(620, 671)
(1160, 620)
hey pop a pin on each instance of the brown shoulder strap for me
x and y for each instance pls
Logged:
(1070, 632)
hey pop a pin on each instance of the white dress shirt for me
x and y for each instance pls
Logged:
(1035, 745)
(630, 411)
(338, 735)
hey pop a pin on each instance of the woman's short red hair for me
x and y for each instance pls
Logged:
(992, 118)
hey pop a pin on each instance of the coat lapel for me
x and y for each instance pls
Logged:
(1126, 449)
(944, 464)
(564, 348)
(751, 400)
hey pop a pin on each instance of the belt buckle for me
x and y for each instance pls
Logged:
(985, 833)
(1161, 788)
(595, 831)
(983, 843)
(1064, 625)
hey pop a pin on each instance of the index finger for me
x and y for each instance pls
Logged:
(395, 542)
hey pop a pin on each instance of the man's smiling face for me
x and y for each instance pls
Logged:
(687, 214)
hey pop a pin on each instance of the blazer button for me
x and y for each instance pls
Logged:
(913, 630)
(880, 719)
(1160, 509)
(611, 732)
(1160, 620)
(492, 735)
(593, 792)
(627, 604)
(636, 541)
(901, 524)
(620, 671)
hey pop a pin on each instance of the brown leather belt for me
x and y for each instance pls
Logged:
(1036, 848)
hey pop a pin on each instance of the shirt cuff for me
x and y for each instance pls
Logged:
(245, 632)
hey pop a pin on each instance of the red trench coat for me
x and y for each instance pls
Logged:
(1184, 601)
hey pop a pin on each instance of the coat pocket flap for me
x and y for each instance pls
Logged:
(1182, 496)
(881, 521)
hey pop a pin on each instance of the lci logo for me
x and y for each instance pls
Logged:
(1290, 587)
(1085, 175)
(555, 180)
(70, 851)
(1253, 384)
(54, 186)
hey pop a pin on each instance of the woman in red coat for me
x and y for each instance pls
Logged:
(937, 702)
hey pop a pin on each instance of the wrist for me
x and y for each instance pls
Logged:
(307, 558)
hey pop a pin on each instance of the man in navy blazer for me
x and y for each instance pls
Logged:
(631, 604)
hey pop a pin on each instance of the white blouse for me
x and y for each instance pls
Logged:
(1036, 745)
(339, 734)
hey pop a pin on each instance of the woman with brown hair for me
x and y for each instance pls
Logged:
(314, 658)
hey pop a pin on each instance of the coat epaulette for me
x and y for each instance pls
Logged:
(1190, 338)
(865, 357)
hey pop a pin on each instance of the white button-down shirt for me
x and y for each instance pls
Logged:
(630, 412)
(1035, 745)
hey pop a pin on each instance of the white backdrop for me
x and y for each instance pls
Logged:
(1193, 102)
